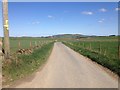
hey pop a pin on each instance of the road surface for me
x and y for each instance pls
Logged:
(66, 68)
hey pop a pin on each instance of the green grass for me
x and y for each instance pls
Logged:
(26, 64)
(100, 38)
(109, 49)
(108, 59)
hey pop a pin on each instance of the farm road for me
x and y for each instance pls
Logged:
(68, 69)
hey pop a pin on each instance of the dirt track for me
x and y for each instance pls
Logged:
(68, 69)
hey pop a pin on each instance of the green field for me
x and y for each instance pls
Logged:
(21, 65)
(103, 50)
(25, 43)
(106, 48)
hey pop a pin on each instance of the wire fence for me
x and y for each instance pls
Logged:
(26, 44)
(109, 49)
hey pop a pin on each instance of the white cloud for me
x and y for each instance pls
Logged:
(87, 13)
(101, 21)
(117, 9)
(50, 16)
(103, 10)
(36, 22)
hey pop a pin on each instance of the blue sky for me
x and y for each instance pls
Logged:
(50, 18)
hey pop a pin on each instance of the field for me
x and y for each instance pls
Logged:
(26, 42)
(21, 65)
(103, 50)
(106, 48)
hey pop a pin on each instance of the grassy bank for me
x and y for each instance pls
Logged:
(26, 64)
(111, 63)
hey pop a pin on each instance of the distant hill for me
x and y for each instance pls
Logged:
(68, 36)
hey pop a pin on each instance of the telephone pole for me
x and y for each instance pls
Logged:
(6, 29)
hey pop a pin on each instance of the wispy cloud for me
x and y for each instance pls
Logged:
(103, 10)
(117, 9)
(101, 21)
(35, 22)
(87, 13)
(50, 16)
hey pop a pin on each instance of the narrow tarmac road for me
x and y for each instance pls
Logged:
(68, 69)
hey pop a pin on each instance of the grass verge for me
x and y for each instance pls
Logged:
(112, 64)
(25, 64)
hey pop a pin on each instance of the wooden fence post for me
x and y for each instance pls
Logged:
(0, 48)
(83, 45)
(100, 48)
(30, 44)
(90, 47)
(119, 51)
(35, 43)
(105, 52)
(19, 45)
